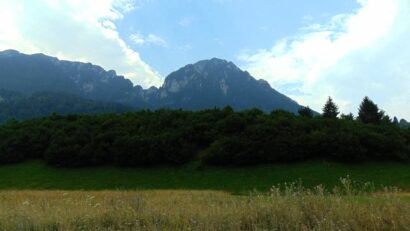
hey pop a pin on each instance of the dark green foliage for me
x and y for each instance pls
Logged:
(395, 121)
(330, 110)
(369, 112)
(214, 137)
(347, 117)
(18, 106)
(306, 112)
(404, 124)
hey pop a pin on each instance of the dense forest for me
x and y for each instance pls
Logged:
(18, 106)
(212, 137)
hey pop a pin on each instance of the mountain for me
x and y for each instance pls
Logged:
(28, 74)
(217, 83)
(205, 84)
(18, 106)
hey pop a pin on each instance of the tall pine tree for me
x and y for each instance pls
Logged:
(330, 110)
(369, 112)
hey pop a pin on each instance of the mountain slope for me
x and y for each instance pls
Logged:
(28, 74)
(217, 83)
(17, 106)
(205, 84)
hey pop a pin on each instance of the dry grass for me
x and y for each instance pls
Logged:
(291, 208)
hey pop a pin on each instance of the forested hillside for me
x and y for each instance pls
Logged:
(214, 137)
(14, 105)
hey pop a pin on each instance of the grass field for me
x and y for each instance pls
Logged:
(34, 196)
(200, 210)
(36, 175)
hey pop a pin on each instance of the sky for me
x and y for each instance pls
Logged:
(308, 50)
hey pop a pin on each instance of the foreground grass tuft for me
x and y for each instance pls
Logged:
(288, 207)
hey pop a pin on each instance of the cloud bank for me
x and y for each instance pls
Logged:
(82, 30)
(362, 53)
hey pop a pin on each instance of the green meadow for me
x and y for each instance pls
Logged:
(36, 175)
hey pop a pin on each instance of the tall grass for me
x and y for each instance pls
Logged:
(286, 207)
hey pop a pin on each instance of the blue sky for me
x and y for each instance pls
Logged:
(308, 49)
(195, 30)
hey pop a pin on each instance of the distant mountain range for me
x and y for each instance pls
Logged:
(205, 84)
(38, 85)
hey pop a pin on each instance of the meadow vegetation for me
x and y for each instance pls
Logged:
(206, 170)
(287, 207)
(36, 175)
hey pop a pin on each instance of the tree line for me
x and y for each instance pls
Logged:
(40, 104)
(213, 137)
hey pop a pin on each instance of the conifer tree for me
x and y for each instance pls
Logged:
(395, 121)
(369, 112)
(330, 110)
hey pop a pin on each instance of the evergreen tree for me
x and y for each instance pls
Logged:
(386, 120)
(305, 112)
(330, 110)
(395, 121)
(347, 116)
(369, 112)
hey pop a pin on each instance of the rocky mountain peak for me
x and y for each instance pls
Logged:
(204, 84)
(212, 64)
(217, 83)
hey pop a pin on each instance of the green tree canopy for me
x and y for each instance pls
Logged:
(395, 121)
(369, 112)
(330, 110)
(347, 116)
(306, 112)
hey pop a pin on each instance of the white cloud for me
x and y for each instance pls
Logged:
(186, 22)
(150, 39)
(82, 30)
(362, 53)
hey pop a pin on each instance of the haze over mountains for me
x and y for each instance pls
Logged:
(205, 84)
(40, 104)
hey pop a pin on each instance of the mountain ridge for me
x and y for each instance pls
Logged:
(220, 83)
(204, 84)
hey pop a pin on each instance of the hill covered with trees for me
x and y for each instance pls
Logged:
(14, 105)
(214, 137)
